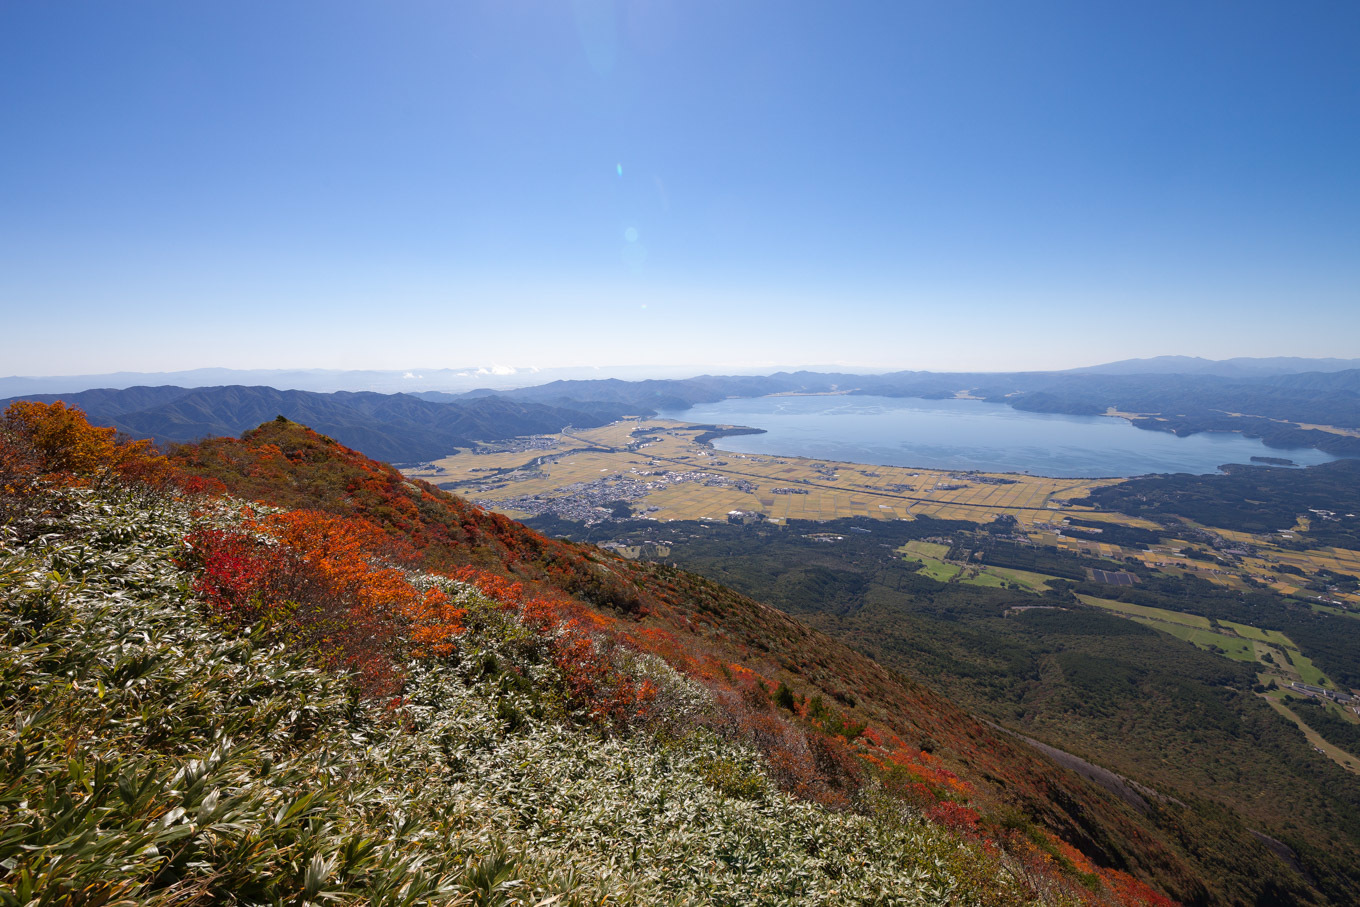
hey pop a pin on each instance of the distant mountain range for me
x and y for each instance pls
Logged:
(395, 427)
(1259, 401)
(1230, 368)
(454, 381)
(389, 381)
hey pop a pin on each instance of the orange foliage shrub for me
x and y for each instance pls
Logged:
(63, 441)
(204, 485)
(1130, 892)
(322, 588)
(594, 680)
(19, 466)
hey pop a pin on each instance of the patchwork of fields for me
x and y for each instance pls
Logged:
(661, 469)
(661, 463)
(1280, 661)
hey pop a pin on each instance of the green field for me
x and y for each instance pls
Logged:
(985, 578)
(938, 570)
(1035, 581)
(925, 549)
(1296, 663)
(1328, 609)
(1309, 672)
(1158, 614)
(1001, 577)
(1248, 643)
(1236, 649)
(1273, 637)
(932, 555)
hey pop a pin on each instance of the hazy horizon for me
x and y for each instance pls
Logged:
(497, 370)
(693, 185)
(504, 378)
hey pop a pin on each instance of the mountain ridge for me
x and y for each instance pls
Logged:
(396, 427)
(466, 380)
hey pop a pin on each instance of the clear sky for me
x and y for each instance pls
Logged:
(436, 183)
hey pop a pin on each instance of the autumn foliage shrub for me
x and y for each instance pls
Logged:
(594, 680)
(236, 574)
(60, 440)
(590, 659)
(19, 473)
(319, 581)
(50, 445)
(315, 579)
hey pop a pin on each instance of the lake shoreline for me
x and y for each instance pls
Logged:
(970, 436)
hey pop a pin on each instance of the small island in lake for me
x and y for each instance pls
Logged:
(1274, 461)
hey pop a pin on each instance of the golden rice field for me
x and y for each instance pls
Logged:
(833, 490)
(663, 452)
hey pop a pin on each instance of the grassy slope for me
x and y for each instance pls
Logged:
(708, 624)
(151, 758)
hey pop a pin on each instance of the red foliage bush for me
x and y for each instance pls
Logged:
(320, 586)
(1130, 892)
(235, 575)
(594, 680)
(961, 819)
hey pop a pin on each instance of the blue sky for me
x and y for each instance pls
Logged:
(939, 185)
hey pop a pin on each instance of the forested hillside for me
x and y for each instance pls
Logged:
(1027, 651)
(396, 427)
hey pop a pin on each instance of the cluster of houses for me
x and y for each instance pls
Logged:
(596, 501)
(517, 445)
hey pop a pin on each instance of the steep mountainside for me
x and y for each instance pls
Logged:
(208, 705)
(1184, 720)
(699, 624)
(547, 690)
(206, 700)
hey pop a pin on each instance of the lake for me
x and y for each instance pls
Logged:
(972, 434)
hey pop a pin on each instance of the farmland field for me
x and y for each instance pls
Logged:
(984, 578)
(1240, 642)
(925, 549)
(658, 469)
(1236, 649)
(938, 570)
(661, 463)
(1155, 614)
